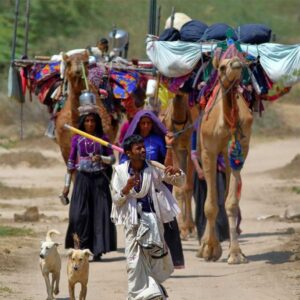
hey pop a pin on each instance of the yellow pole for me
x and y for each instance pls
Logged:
(93, 138)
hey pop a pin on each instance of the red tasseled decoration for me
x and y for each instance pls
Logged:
(202, 102)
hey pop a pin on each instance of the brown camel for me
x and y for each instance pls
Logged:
(69, 113)
(178, 119)
(227, 118)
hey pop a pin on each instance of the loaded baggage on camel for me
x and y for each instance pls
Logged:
(261, 71)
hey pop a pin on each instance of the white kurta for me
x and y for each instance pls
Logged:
(145, 270)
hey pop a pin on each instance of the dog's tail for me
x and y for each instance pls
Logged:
(50, 234)
(76, 240)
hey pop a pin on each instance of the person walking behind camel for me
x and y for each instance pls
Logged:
(142, 203)
(90, 206)
(158, 144)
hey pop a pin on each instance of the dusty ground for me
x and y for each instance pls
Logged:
(271, 243)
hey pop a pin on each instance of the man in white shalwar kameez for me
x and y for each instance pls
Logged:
(142, 203)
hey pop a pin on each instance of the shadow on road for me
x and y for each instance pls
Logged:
(121, 250)
(111, 259)
(193, 276)
(189, 249)
(259, 234)
(272, 257)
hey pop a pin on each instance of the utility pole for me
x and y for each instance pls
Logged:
(158, 20)
(152, 17)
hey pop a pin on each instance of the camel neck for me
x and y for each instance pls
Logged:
(229, 106)
(75, 88)
(179, 109)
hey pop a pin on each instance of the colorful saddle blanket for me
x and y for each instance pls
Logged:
(124, 83)
(41, 72)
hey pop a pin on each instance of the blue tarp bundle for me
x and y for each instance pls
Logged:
(218, 32)
(170, 34)
(192, 31)
(254, 33)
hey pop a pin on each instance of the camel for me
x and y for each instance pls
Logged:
(227, 119)
(178, 119)
(69, 113)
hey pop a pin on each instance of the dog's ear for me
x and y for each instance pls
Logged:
(87, 252)
(70, 252)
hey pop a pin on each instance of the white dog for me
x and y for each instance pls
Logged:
(50, 262)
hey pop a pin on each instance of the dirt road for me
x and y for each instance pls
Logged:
(265, 241)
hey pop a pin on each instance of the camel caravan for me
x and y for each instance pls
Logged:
(204, 83)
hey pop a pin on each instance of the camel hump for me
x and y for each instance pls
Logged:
(50, 233)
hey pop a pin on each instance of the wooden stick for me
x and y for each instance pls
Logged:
(157, 89)
(28, 62)
(41, 57)
(172, 17)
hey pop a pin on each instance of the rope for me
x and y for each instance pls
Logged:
(180, 132)
(84, 77)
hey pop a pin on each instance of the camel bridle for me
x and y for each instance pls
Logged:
(232, 83)
(231, 120)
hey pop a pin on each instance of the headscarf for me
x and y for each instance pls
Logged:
(157, 126)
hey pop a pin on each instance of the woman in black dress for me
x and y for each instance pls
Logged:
(91, 202)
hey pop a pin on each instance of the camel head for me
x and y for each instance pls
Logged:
(229, 68)
(73, 65)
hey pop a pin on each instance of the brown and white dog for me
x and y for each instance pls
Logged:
(78, 269)
(50, 262)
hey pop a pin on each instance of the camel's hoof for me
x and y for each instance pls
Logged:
(192, 232)
(184, 233)
(237, 258)
(56, 291)
(184, 236)
(210, 252)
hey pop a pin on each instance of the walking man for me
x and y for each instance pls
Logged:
(142, 203)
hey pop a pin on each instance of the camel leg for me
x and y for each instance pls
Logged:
(63, 139)
(179, 196)
(210, 248)
(190, 225)
(232, 202)
(232, 207)
(184, 195)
